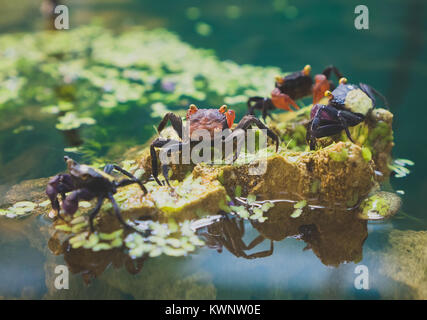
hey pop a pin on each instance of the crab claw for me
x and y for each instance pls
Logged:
(321, 85)
(52, 192)
(71, 202)
(282, 100)
(229, 114)
(59, 184)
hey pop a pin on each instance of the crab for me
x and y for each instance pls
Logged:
(292, 87)
(228, 233)
(348, 105)
(213, 121)
(86, 183)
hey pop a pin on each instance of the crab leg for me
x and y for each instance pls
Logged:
(371, 92)
(174, 120)
(249, 120)
(119, 216)
(263, 104)
(110, 167)
(261, 254)
(160, 143)
(94, 212)
(327, 72)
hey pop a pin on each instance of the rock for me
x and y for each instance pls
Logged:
(379, 206)
(308, 175)
(190, 199)
(375, 133)
(405, 260)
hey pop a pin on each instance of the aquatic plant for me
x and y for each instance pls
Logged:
(173, 239)
(298, 208)
(251, 209)
(89, 75)
(20, 209)
(399, 167)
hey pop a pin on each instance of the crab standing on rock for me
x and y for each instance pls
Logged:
(86, 183)
(213, 121)
(292, 87)
(348, 105)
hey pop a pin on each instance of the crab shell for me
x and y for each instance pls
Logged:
(86, 174)
(351, 98)
(211, 120)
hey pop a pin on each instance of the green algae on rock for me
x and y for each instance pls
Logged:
(380, 205)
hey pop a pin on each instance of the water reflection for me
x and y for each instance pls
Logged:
(228, 233)
(334, 235)
(91, 264)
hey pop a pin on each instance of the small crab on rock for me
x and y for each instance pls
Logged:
(292, 87)
(216, 123)
(348, 105)
(86, 183)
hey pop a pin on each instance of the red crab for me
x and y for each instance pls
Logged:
(292, 87)
(212, 120)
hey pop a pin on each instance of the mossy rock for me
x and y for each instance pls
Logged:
(381, 205)
(293, 174)
(374, 134)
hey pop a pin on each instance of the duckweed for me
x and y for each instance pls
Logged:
(95, 242)
(20, 209)
(128, 74)
(253, 210)
(296, 213)
(171, 239)
(398, 166)
(298, 208)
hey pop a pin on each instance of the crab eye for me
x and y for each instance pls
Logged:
(343, 80)
(279, 79)
(328, 93)
(307, 70)
(191, 110)
(223, 109)
(85, 176)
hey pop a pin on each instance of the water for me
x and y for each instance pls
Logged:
(391, 55)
